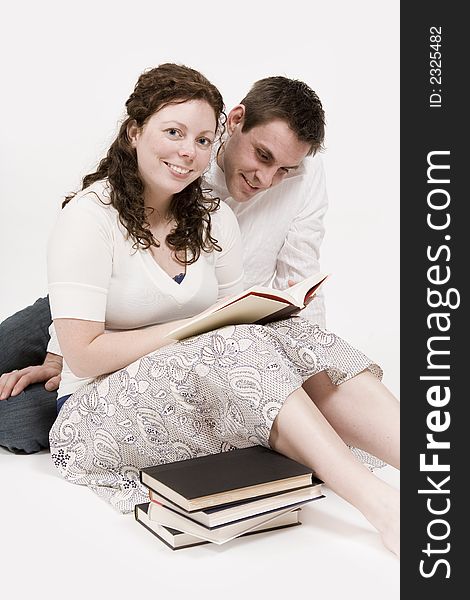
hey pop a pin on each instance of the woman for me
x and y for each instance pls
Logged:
(137, 251)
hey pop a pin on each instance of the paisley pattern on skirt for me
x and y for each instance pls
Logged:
(208, 394)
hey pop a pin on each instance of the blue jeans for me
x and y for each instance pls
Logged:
(25, 420)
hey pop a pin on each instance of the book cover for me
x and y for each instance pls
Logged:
(177, 540)
(218, 479)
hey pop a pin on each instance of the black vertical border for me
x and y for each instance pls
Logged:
(425, 129)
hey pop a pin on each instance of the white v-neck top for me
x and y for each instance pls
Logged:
(95, 274)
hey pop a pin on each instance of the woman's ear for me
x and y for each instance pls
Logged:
(133, 132)
(235, 118)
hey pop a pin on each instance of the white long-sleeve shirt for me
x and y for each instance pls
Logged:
(282, 229)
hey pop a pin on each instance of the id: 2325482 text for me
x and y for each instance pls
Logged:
(435, 67)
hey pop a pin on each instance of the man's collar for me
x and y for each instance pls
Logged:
(215, 179)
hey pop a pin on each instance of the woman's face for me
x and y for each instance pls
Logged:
(174, 146)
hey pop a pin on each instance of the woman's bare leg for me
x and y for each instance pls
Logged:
(362, 411)
(301, 432)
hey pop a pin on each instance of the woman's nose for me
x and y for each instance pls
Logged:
(187, 149)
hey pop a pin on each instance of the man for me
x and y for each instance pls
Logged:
(268, 171)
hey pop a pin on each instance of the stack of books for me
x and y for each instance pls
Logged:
(219, 497)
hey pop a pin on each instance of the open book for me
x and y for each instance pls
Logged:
(258, 304)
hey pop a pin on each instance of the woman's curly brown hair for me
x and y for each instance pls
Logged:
(166, 84)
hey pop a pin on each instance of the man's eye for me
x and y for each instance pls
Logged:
(262, 155)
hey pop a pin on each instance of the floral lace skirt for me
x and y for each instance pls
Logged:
(208, 394)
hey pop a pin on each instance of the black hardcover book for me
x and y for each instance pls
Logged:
(177, 540)
(217, 479)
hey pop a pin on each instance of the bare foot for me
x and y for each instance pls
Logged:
(389, 523)
(384, 514)
(391, 537)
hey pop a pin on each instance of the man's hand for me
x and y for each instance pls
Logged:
(290, 283)
(13, 383)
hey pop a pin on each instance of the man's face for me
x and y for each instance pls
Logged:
(260, 158)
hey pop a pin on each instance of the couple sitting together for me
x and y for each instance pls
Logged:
(186, 208)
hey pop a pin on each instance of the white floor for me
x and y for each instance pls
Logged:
(60, 540)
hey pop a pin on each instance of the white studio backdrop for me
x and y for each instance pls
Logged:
(67, 69)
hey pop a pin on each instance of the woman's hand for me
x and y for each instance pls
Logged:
(13, 383)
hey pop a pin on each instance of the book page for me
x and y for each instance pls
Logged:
(249, 309)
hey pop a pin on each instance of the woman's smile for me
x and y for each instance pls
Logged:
(179, 172)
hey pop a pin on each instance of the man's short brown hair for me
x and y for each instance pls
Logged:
(289, 100)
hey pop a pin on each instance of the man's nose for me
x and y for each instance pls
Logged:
(265, 176)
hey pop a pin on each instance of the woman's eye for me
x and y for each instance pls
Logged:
(173, 132)
(204, 141)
